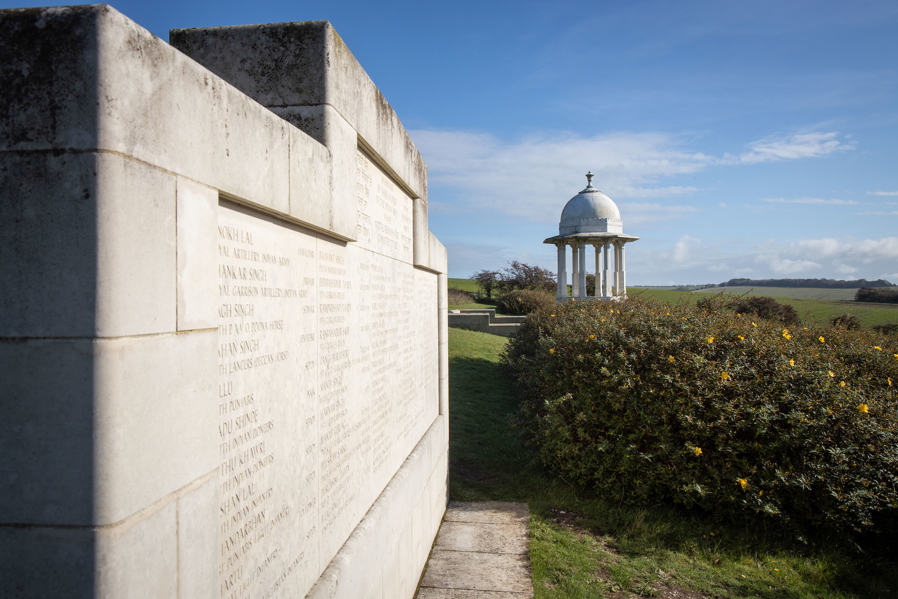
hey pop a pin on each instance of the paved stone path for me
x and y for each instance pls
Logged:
(480, 553)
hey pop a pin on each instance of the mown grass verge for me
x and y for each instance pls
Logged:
(582, 546)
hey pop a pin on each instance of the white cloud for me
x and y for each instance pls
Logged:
(811, 201)
(845, 269)
(785, 266)
(792, 147)
(847, 250)
(640, 214)
(823, 248)
(882, 193)
(533, 177)
(892, 213)
(660, 208)
(690, 260)
(681, 251)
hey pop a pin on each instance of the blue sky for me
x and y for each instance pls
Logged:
(739, 139)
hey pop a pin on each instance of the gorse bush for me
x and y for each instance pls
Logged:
(886, 329)
(649, 402)
(760, 306)
(522, 302)
(846, 321)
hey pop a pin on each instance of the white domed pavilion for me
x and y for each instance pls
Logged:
(591, 218)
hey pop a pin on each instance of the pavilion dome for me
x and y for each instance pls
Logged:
(590, 211)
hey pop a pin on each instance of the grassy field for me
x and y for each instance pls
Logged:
(582, 547)
(463, 284)
(793, 292)
(812, 310)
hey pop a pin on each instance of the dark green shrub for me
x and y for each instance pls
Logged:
(846, 321)
(879, 294)
(759, 305)
(886, 329)
(524, 301)
(648, 402)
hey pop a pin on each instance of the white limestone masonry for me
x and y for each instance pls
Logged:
(223, 327)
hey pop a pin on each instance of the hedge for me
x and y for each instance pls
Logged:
(648, 402)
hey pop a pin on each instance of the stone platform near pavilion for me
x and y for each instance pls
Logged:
(485, 321)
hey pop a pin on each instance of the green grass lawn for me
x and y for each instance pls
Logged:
(583, 547)
(812, 310)
(463, 284)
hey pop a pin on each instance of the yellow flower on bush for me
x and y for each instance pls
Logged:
(741, 338)
(725, 376)
(786, 333)
(710, 339)
(831, 373)
(821, 339)
(791, 362)
(877, 347)
(743, 483)
(863, 408)
(553, 316)
(671, 359)
(841, 383)
(754, 325)
(592, 336)
(697, 451)
(551, 350)
(890, 382)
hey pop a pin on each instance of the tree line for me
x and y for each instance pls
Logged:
(813, 283)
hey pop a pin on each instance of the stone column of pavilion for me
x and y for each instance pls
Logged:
(591, 218)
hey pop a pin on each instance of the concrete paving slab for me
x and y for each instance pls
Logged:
(478, 571)
(483, 538)
(488, 512)
(480, 553)
(426, 593)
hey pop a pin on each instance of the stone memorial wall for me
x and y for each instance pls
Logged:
(245, 395)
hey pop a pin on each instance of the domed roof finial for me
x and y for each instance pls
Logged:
(589, 177)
